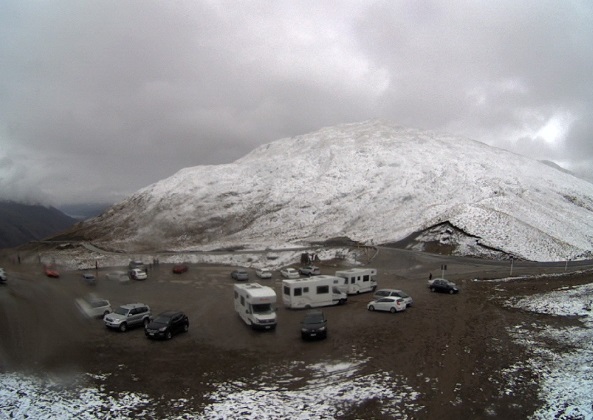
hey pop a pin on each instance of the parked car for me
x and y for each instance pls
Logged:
(392, 304)
(180, 268)
(128, 316)
(394, 292)
(443, 286)
(314, 325)
(309, 270)
(166, 324)
(240, 275)
(289, 273)
(262, 273)
(89, 278)
(3, 276)
(51, 271)
(93, 307)
(138, 274)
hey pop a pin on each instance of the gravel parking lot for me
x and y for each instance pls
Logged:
(449, 351)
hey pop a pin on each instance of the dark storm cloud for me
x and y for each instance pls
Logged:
(102, 98)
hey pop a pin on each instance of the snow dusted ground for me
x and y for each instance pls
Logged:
(82, 258)
(561, 358)
(331, 390)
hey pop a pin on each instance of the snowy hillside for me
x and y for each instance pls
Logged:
(371, 182)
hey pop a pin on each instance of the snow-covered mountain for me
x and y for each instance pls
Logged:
(372, 182)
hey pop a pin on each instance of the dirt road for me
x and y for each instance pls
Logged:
(452, 351)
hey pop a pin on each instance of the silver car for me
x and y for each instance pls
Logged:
(93, 307)
(394, 292)
(127, 316)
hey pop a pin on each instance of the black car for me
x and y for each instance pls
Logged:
(167, 323)
(443, 286)
(314, 325)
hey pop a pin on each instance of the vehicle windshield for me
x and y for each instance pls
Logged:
(313, 319)
(402, 294)
(262, 308)
(121, 311)
(162, 320)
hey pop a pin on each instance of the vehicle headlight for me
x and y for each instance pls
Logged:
(163, 329)
(304, 330)
(322, 329)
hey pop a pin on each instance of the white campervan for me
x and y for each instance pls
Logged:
(358, 280)
(312, 292)
(256, 305)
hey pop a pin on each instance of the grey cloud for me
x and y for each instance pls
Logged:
(102, 98)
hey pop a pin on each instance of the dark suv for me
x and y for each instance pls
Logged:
(314, 325)
(166, 324)
(127, 316)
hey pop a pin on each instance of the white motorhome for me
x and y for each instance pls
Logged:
(313, 292)
(256, 305)
(358, 280)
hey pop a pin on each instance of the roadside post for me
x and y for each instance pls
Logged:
(443, 269)
(512, 260)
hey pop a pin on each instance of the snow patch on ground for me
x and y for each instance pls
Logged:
(331, 390)
(560, 357)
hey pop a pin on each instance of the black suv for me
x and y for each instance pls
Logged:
(314, 325)
(166, 324)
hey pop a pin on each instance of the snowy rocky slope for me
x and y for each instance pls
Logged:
(372, 182)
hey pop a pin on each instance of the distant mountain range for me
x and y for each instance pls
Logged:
(370, 182)
(21, 223)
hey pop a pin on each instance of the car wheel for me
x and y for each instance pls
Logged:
(371, 308)
(451, 291)
(123, 327)
(168, 335)
(105, 313)
(342, 301)
(146, 322)
(186, 327)
(393, 310)
(307, 306)
(432, 289)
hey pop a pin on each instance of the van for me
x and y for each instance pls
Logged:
(256, 305)
(313, 292)
(358, 280)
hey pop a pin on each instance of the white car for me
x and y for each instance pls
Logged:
(93, 307)
(290, 273)
(392, 304)
(262, 273)
(138, 274)
(381, 293)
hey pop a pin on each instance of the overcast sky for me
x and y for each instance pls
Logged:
(101, 98)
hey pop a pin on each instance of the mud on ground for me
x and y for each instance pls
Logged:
(451, 349)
